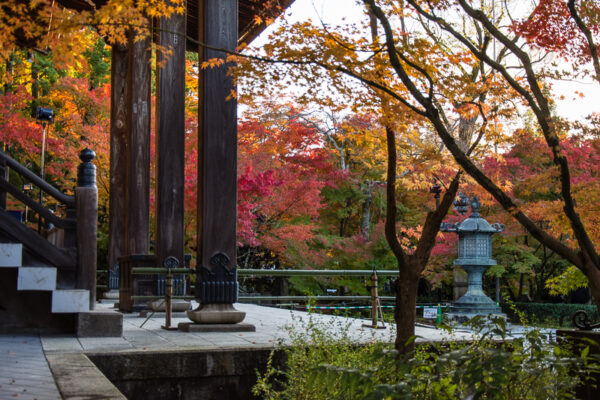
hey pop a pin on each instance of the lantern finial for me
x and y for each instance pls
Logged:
(461, 205)
(475, 207)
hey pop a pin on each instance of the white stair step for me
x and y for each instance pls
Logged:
(36, 278)
(70, 301)
(11, 255)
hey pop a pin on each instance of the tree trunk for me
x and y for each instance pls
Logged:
(342, 227)
(365, 220)
(406, 309)
(592, 272)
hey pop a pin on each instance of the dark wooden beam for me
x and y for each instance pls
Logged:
(138, 178)
(170, 141)
(119, 132)
(217, 190)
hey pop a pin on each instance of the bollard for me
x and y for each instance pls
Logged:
(169, 263)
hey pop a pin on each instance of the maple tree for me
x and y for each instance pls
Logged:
(323, 54)
(282, 169)
(579, 249)
(453, 67)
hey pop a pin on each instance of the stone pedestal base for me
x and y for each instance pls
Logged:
(191, 327)
(465, 312)
(216, 314)
(177, 305)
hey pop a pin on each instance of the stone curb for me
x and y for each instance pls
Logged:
(77, 378)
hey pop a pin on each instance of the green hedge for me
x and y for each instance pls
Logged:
(552, 313)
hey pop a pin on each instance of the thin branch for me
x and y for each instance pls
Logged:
(588, 36)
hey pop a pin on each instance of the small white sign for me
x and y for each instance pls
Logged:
(430, 312)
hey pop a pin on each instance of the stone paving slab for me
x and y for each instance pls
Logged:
(24, 372)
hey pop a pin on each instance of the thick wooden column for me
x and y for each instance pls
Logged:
(119, 132)
(170, 141)
(217, 169)
(138, 169)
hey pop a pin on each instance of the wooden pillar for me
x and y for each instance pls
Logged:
(217, 150)
(138, 161)
(119, 131)
(170, 141)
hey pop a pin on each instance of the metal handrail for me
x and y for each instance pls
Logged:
(308, 298)
(316, 272)
(275, 272)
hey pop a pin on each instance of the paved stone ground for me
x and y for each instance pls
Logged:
(272, 326)
(24, 372)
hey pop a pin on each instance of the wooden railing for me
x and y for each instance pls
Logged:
(27, 175)
(77, 251)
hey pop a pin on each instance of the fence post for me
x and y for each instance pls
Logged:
(86, 200)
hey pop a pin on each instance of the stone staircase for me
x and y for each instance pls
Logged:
(43, 277)
(41, 303)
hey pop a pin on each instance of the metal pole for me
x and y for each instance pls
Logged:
(43, 173)
(170, 263)
(168, 297)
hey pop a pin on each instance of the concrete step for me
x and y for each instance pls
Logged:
(70, 301)
(11, 255)
(36, 278)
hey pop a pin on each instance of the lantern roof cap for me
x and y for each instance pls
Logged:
(476, 224)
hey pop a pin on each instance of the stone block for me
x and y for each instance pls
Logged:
(99, 324)
(11, 255)
(36, 278)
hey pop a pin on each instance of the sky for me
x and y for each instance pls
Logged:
(335, 12)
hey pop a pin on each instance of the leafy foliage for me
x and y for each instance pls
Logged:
(324, 363)
(557, 314)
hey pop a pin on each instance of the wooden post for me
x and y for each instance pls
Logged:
(119, 131)
(376, 309)
(86, 203)
(170, 140)
(138, 160)
(217, 154)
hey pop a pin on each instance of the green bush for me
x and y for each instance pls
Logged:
(324, 363)
(548, 313)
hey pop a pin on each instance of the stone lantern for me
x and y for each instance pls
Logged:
(474, 256)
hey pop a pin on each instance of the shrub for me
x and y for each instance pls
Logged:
(557, 314)
(325, 364)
